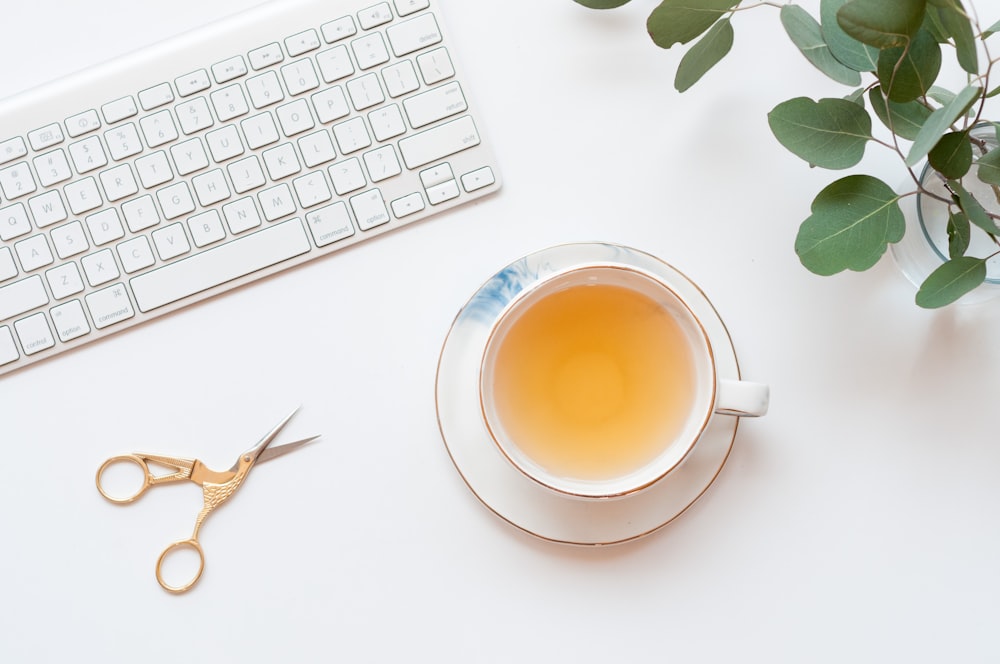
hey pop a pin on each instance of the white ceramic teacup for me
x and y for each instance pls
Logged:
(564, 357)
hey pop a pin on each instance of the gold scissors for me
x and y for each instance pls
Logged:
(217, 487)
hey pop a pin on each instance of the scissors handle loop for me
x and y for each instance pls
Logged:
(183, 544)
(123, 459)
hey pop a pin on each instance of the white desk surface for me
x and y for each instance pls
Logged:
(858, 521)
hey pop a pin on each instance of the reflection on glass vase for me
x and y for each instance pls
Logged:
(924, 247)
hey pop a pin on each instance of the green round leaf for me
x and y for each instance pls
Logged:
(602, 4)
(830, 133)
(805, 33)
(904, 120)
(680, 21)
(952, 156)
(989, 167)
(853, 221)
(909, 72)
(939, 122)
(881, 24)
(951, 281)
(959, 233)
(847, 49)
(704, 55)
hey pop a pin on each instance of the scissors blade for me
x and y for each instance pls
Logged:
(280, 450)
(253, 453)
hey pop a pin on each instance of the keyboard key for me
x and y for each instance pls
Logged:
(154, 169)
(229, 103)
(47, 209)
(156, 96)
(135, 254)
(265, 56)
(375, 15)
(158, 128)
(246, 174)
(299, 76)
(194, 115)
(276, 202)
(123, 141)
(338, 29)
(82, 123)
(477, 179)
(11, 149)
(382, 163)
(16, 181)
(317, 148)
(260, 130)
(171, 241)
(206, 228)
(335, 64)
(241, 215)
(400, 78)
(119, 109)
(14, 222)
(407, 205)
(435, 66)
(429, 107)
(83, 196)
(109, 306)
(105, 226)
(330, 224)
(264, 90)
(33, 253)
(70, 321)
(295, 117)
(100, 267)
(88, 155)
(440, 193)
(22, 296)
(413, 35)
(175, 200)
(370, 50)
(281, 161)
(387, 122)
(407, 7)
(224, 143)
(311, 190)
(8, 349)
(365, 91)
(45, 137)
(140, 214)
(331, 104)
(52, 168)
(8, 270)
(439, 142)
(64, 280)
(69, 240)
(222, 264)
(347, 176)
(229, 69)
(194, 82)
(118, 183)
(34, 334)
(302, 42)
(369, 209)
(211, 187)
(189, 156)
(351, 135)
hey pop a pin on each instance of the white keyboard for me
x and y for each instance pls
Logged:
(222, 156)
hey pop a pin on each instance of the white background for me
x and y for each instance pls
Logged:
(858, 521)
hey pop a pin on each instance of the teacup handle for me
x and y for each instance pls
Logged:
(742, 397)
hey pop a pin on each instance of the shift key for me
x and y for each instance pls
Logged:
(22, 296)
(439, 142)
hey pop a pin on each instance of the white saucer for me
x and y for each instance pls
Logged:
(524, 503)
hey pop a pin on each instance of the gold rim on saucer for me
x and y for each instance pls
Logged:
(501, 487)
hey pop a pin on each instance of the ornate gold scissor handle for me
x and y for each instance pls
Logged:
(217, 488)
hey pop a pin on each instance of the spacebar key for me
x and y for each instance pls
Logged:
(217, 266)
